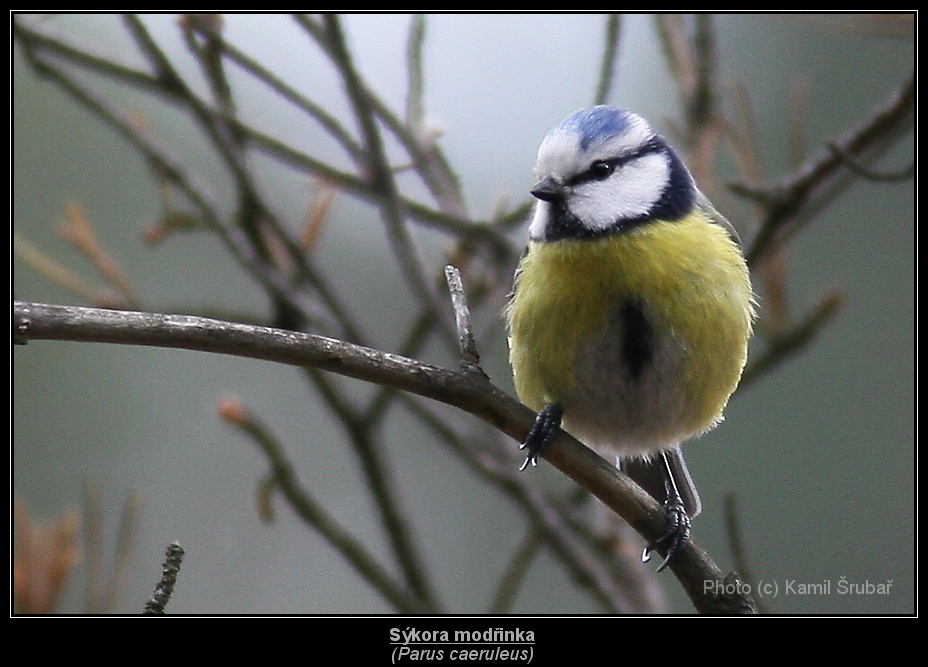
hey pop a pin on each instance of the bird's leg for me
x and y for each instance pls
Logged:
(678, 521)
(546, 426)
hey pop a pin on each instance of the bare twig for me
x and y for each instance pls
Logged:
(677, 52)
(691, 57)
(903, 174)
(415, 103)
(609, 59)
(469, 356)
(36, 42)
(702, 101)
(815, 183)
(416, 136)
(791, 341)
(326, 120)
(79, 232)
(736, 544)
(104, 587)
(437, 174)
(45, 265)
(380, 480)
(516, 569)
(164, 589)
(377, 171)
(432, 166)
(315, 515)
(571, 547)
(380, 174)
(124, 547)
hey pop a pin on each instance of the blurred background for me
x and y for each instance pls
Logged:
(819, 455)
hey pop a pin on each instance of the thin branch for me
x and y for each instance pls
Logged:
(49, 267)
(692, 59)
(610, 59)
(228, 138)
(34, 41)
(208, 52)
(455, 224)
(326, 120)
(418, 336)
(241, 248)
(736, 544)
(903, 174)
(315, 515)
(678, 53)
(210, 120)
(701, 104)
(250, 249)
(433, 166)
(790, 342)
(379, 173)
(469, 356)
(79, 232)
(415, 104)
(383, 489)
(103, 588)
(124, 544)
(93, 545)
(814, 184)
(415, 135)
(516, 569)
(164, 589)
(692, 62)
(571, 548)
(468, 391)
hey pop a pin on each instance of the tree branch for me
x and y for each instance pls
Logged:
(709, 590)
(609, 60)
(820, 179)
(165, 586)
(315, 515)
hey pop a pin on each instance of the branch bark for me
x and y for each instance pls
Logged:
(708, 589)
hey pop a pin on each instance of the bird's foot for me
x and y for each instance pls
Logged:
(546, 426)
(677, 534)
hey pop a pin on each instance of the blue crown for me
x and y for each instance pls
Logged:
(596, 124)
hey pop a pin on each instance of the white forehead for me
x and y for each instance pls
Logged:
(599, 133)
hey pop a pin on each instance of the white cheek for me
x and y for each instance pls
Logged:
(630, 192)
(540, 217)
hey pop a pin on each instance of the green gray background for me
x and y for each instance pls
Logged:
(820, 454)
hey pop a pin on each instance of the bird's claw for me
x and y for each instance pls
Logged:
(530, 457)
(546, 426)
(676, 536)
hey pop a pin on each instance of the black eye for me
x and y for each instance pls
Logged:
(601, 170)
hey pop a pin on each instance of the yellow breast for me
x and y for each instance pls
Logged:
(691, 284)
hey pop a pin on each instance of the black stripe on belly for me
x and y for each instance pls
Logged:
(637, 339)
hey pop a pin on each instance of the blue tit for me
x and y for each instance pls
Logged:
(632, 306)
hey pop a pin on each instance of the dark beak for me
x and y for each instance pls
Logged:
(548, 189)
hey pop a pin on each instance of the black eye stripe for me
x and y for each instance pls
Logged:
(597, 170)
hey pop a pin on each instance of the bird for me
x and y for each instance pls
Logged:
(631, 308)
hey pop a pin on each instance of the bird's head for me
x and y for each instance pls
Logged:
(603, 170)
